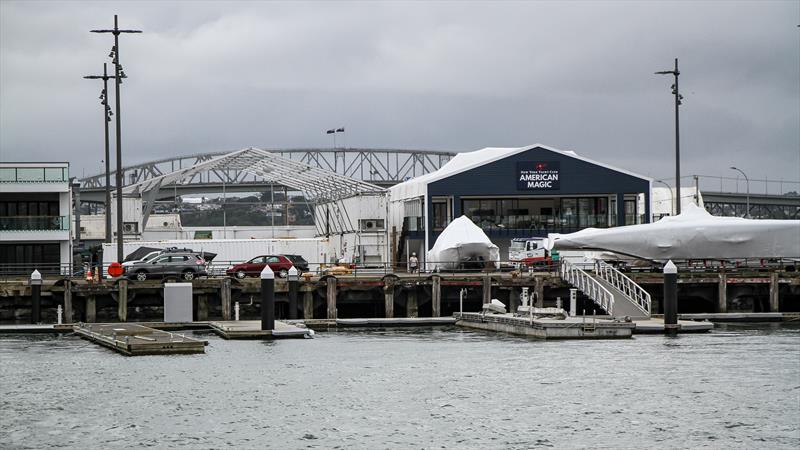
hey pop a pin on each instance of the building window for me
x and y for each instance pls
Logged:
(538, 215)
(442, 213)
(630, 212)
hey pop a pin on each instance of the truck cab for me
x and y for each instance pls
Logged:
(532, 251)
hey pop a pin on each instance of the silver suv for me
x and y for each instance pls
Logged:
(186, 265)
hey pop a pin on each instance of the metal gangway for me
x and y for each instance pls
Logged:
(587, 284)
(609, 288)
(625, 289)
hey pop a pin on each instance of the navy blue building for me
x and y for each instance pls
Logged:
(516, 193)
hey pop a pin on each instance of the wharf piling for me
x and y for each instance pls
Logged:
(388, 297)
(68, 301)
(225, 298)
(436, 296)
(122, 298)
(308, 303)
(331, 297)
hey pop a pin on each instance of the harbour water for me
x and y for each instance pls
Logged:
(736, 387)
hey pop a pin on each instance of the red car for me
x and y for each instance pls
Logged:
(279, 264)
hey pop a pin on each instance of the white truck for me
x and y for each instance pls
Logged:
(531, 251)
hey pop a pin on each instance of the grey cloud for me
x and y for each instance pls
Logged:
(457, 76)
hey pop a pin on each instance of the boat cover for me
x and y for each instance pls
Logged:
(693, 234)
(462, 241)
(139, 253)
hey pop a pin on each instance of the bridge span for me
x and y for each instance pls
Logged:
(379, 166)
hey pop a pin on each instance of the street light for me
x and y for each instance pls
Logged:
(678, 98)
(107, 113)
(119, 74)
(671, 197)
(747, 212)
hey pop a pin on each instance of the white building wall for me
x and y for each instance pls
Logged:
(365, 239)
(35, 185)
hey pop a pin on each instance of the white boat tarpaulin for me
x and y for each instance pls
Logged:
(693, 234)
(462, 240)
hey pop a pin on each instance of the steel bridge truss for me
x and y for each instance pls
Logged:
(383, 167)
(319, 185)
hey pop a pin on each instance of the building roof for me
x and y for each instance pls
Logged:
(463, 162)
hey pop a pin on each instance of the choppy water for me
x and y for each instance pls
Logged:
(738, 387)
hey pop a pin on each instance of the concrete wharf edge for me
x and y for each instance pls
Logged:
(545, 328)
(251, 329)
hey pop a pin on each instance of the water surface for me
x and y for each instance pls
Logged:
(738, 387)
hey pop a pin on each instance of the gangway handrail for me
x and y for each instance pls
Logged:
(624, 284)
(577, 277)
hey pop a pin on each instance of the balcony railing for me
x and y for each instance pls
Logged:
(34, 174)
(34, 223)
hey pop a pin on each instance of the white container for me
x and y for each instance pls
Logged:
(178, 302)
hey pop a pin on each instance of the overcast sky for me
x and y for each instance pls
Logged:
(212, 76)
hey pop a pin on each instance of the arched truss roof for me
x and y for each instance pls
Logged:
(318, 185)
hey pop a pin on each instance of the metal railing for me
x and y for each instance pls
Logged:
(34, 223)
(628, 287)
(577, 277)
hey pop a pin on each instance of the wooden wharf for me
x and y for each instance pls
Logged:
(133, 339)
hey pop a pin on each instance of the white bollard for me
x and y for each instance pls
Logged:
(573, 301)
(525, 297)
(558, 302)
(236, 311)
(59, 312)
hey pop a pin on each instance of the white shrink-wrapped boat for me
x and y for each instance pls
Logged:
(693, 234)
(462, 245)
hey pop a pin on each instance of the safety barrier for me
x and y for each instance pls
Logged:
(628, 287)
(577, 277)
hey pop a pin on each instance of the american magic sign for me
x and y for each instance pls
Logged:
(535, 176)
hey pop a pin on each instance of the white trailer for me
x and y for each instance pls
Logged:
(233, 251)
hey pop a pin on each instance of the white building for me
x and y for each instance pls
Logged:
(35, 217)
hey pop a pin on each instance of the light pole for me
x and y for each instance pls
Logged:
(671, 197)
(678, 98)
(119, 74)
(107, 113)
(747, 211)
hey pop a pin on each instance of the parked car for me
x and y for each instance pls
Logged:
(280, 264)
(145, 258)
(299, 262)
(186, 265)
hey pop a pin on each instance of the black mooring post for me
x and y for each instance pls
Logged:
(294, 282)
(36, 297)
(267, 299)
(670, 298)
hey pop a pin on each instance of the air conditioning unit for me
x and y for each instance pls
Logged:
(372, 224)
(130, 228)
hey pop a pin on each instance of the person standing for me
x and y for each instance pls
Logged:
(413, 263)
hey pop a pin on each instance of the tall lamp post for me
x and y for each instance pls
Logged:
(671, 197)
(747, 211)
(107, 113)
(678, 98)
(119, 74)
